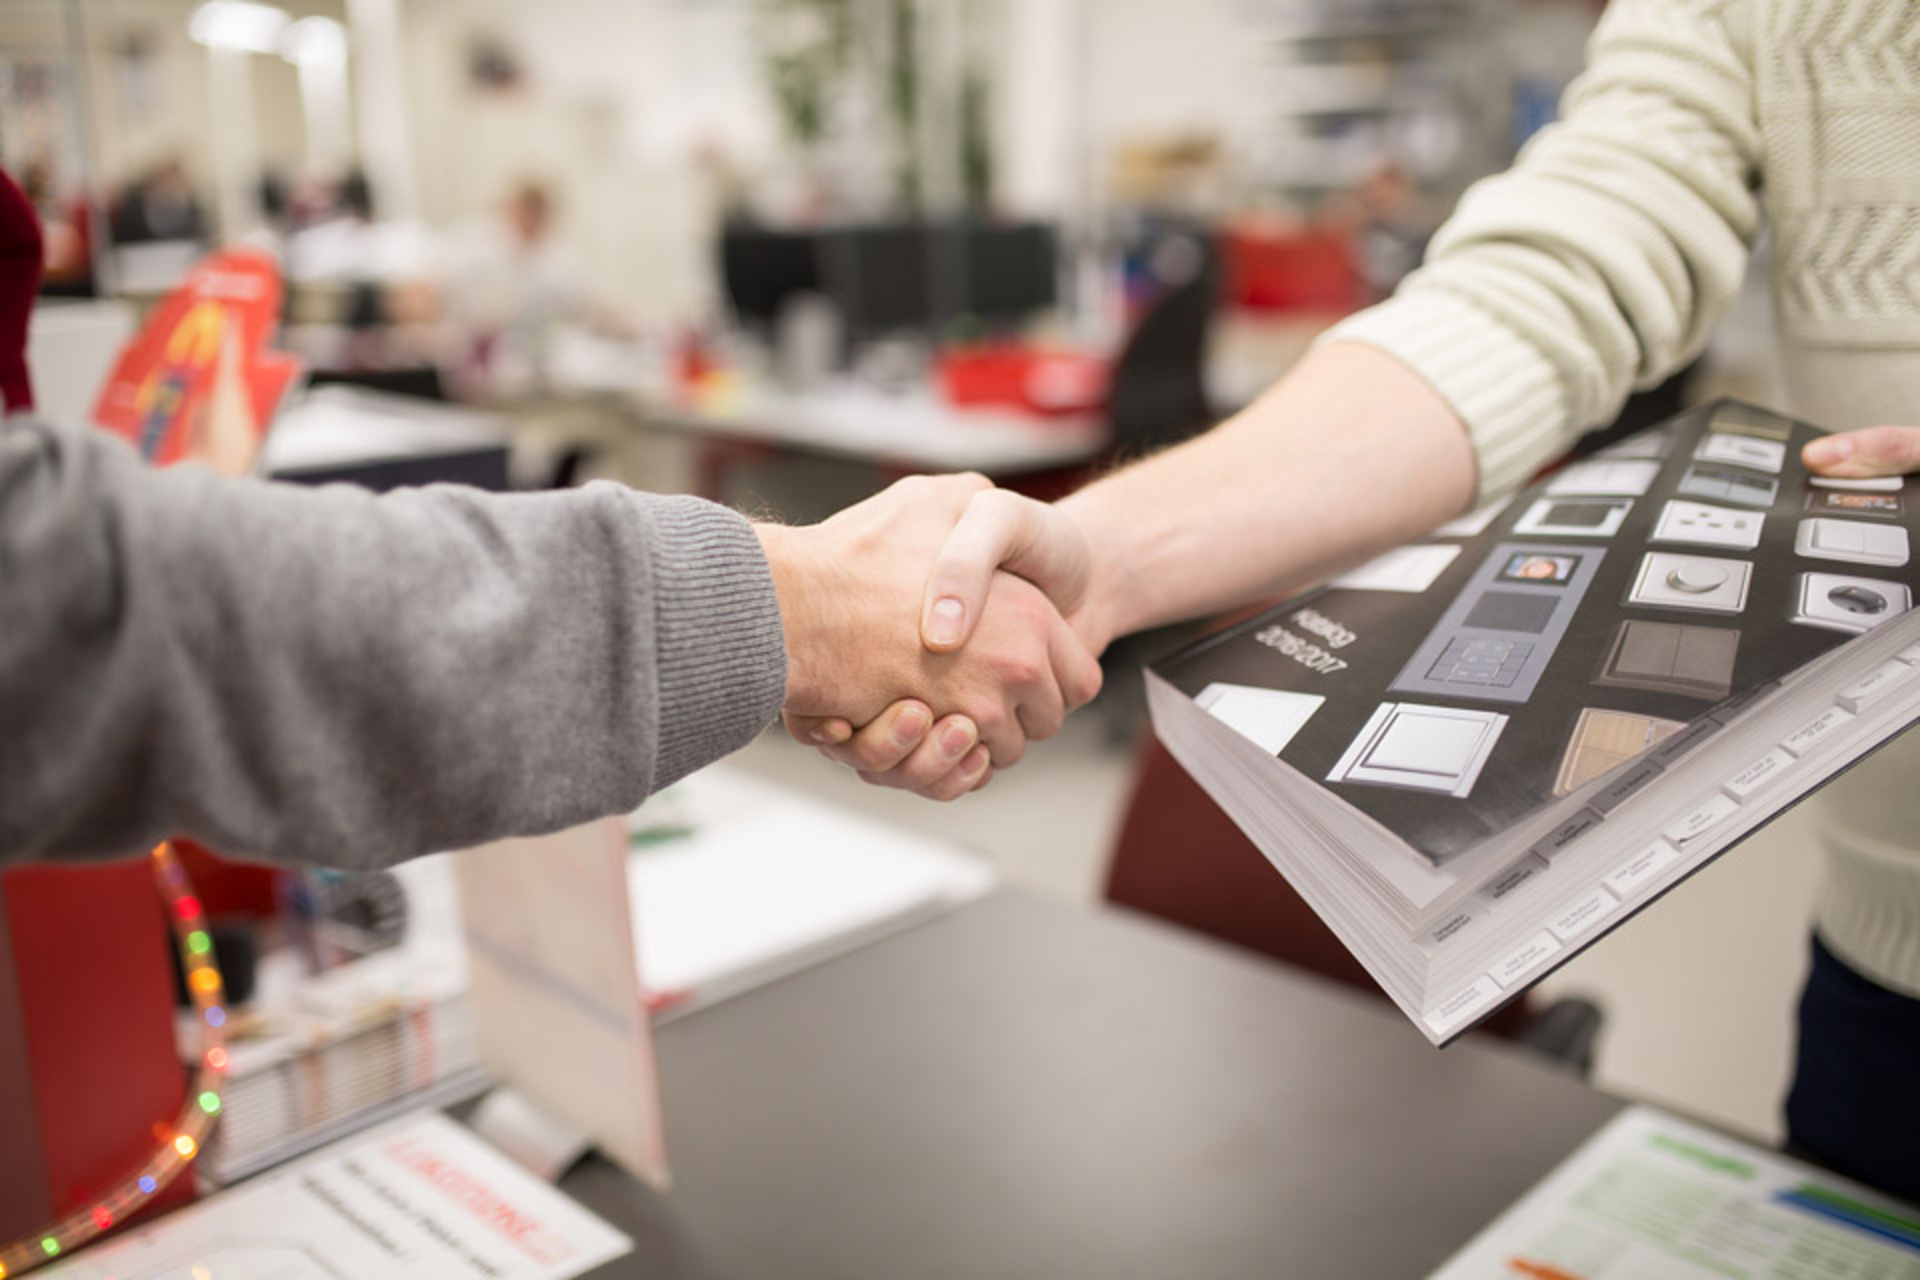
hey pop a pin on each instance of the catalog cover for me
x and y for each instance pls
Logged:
(1452, 688)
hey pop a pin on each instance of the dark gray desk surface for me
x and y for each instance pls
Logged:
(1023, 1089)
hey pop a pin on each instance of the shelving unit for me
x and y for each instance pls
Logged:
(1355, 86)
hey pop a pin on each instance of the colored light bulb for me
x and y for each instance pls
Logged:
(186, 1146)
(210, 1102)
(50, 1246)
(206, 981)
(216, 1017)
(199, 943)
(187, 907)
(101, 1218)
(217, 1059)
(147, 1184)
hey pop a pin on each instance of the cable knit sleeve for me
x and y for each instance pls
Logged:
(326, 675)
(1603, 258)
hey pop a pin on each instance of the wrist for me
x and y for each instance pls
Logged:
(784, 549)
(1107, 609)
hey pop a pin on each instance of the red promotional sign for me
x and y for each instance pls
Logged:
(163, 393)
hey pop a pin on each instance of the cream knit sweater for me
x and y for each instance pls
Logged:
(1603, 259)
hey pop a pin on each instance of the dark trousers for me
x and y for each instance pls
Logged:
(1855, 1101)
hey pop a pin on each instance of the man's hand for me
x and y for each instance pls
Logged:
(997, 531)
(1875, 451)
(849, 592)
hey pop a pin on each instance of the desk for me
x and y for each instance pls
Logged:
(1022, 1089)
(907, 431)
(384, 441)
(841, 417)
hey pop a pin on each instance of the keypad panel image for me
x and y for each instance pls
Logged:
(1497, 636)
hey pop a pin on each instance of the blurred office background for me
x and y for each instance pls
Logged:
(781, 251)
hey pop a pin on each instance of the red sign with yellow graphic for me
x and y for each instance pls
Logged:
(198, 381)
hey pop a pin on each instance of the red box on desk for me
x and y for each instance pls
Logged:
(90, 1074)
(1017, 376)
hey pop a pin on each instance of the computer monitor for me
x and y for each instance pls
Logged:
(881, 274)
(1009, 271)
(763, 268)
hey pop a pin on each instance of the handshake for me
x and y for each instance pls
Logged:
(935, 629)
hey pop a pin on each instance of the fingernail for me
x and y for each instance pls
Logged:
(944, 620)
(910, 726)
(1828, 450)
(955, 741)
(827, 735)
(978, 764)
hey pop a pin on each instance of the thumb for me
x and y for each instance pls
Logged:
(1876, 451)
(1000, 530)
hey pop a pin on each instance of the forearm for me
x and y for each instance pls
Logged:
(329, 676)
(1347, 455)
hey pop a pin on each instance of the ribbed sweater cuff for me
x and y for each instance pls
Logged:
(1506, 392)
(720, 653)
(1870, 909)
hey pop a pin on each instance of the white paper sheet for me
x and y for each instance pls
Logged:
(419, 1199)
(1653, 1198)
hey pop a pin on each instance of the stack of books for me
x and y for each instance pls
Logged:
(317, 1056)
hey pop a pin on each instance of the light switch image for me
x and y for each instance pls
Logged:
(1648, 444)
(1574, 517)
(1865, 484)
(1267, 717)
(1475, 522)
(1671, 657)
(1855, 541)
(1748, 420)
(1743, 451)
(1703, 524)
(1729, 484)
(1603, 740)
(1668, 580)
(1838, 602)
(1424, 748)
(1607, 478)
(1409, 569)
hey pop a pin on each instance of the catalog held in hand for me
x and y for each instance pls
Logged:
(1477, 754)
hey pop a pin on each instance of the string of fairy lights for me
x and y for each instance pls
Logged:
(179, 1144)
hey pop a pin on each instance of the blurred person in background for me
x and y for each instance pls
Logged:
(160, 205)
(507, 285)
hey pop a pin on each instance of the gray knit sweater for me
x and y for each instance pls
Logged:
(330, 676)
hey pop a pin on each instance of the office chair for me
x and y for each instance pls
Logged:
(1179, 858)
(1158, 395)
